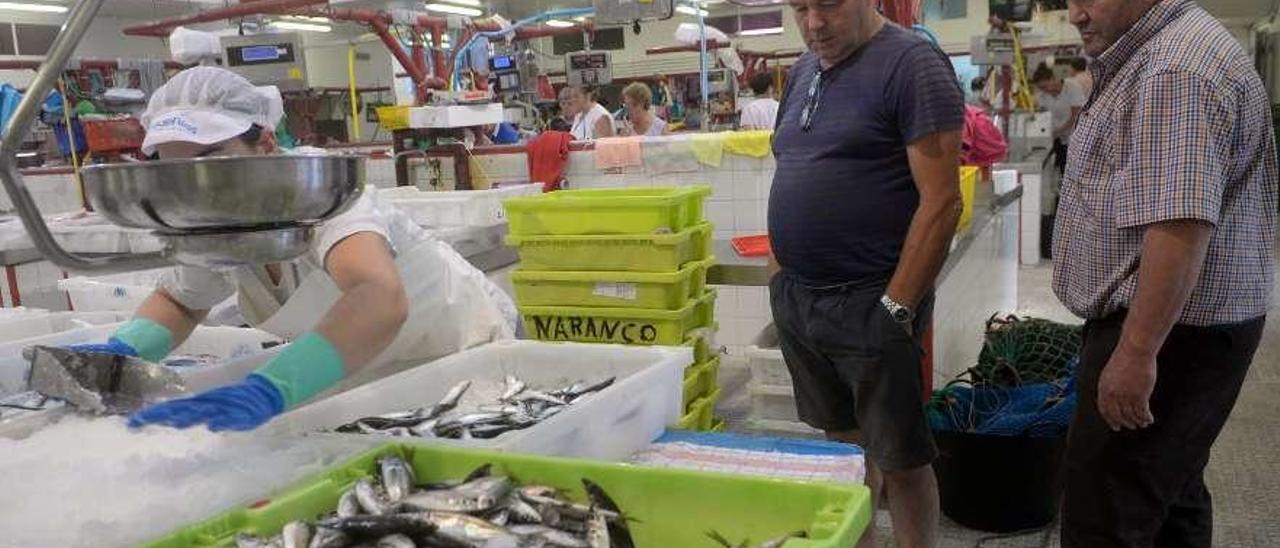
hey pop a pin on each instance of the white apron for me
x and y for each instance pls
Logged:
(450, 307)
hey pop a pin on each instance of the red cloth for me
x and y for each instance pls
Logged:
(983, 143)
(548, 154)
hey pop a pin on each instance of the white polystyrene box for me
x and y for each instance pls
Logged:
(610, 424)
(454, 116)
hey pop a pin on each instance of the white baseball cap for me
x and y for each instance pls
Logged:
(208, 105)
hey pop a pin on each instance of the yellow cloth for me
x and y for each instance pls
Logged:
(708, 148)
(754, 143)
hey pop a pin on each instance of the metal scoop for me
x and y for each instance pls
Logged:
(99, 383)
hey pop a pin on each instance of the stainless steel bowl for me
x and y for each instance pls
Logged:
(238, 248)
(224, 193)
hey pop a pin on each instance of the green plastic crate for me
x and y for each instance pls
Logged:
(607, 211)
(669, 291)
(670, 507)
(717, 425)
(700, 380)
(642, 326)
(619, 252)
(700, 341)
(705, 315)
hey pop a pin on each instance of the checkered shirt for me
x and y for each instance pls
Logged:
(1177, 128)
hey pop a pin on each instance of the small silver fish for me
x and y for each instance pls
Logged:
(369, 499)
(396, 541)
(598, 531)
(325, 537)
(523, 512)
(778, 542)
(542, 396)
(296, 534)
(397, 432)
(513, 386)
(424, 429)
(451, 500)
(550, 535)
(348, 506)
(397, 477)
(470, 530)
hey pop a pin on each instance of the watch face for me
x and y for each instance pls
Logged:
(901, 315)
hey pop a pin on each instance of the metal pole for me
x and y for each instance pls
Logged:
(59, 52)
(702, 67)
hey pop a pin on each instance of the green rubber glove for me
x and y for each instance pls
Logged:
(306, 367)
(149, 339)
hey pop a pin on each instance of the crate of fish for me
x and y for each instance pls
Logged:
(411, 495)
(665, 252)
(580, 400)
(637, 326)
(665, 290)
(700, 380)
(631, 210)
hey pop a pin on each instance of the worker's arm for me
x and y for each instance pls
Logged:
(373, 305)
(935, 166)
(603, 127)
(159, 325)
(1172, 257)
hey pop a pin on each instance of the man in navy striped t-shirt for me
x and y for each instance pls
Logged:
(862, 211)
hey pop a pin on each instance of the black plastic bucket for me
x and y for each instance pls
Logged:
(999, 484)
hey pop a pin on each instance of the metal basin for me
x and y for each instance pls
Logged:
(238, 248)
(224, 193)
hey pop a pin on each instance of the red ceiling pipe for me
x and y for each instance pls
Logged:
(437, 53)
(711, 44)
(163, 27)
(419, 49)
(415, 72)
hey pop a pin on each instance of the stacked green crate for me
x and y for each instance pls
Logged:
(620, 266)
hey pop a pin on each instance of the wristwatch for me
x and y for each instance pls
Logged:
(899, 313)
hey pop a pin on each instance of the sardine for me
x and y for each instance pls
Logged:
(369, 498)
(579, 391)
(348, 505)
(296, 534)
(377, 527)
(424, 429)
(396, 541)
(521, 511)
(471, 530)
(325, 537)
(513, 386)
(449, 401)
(619, 533)
(598, 532)
(451, 500)
(397, 477)
(542, 396)
(552, 536)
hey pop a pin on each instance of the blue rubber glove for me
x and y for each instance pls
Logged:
(243, 406)
(112, 346)
(138, 338)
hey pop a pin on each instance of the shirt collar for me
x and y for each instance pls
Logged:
(1155, 20)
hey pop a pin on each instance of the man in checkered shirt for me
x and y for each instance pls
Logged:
(1164, 244)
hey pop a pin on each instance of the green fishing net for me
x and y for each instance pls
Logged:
(1025, 350)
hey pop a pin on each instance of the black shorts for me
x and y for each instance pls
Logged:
(853, 368)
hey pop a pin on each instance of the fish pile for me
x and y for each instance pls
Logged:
(519, 407)
(484, 510)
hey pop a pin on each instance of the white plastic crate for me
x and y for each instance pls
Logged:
(470, 208)
(764, 358)
(610, 424)
(773, 403)
(36, 325)
(113, 292)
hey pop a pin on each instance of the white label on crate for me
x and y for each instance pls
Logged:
(616, 290)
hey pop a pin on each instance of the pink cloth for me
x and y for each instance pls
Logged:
(983, 143)
(618, 152)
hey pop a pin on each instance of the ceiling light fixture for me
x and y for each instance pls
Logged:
(456, 10)
(472, 3)
(689, 10)
(559, 23)
(323, 20)
(760, 32)
(26, 6)
(290, 25)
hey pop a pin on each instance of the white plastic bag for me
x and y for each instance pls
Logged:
(190, 46)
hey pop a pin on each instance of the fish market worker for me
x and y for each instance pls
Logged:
(374, 287)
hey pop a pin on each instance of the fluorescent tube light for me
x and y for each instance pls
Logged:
(456, 10)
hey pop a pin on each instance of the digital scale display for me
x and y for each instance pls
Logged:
(502, 62)
(591, 61)
(258, 54)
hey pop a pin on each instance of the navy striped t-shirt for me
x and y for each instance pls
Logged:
(843, 195)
